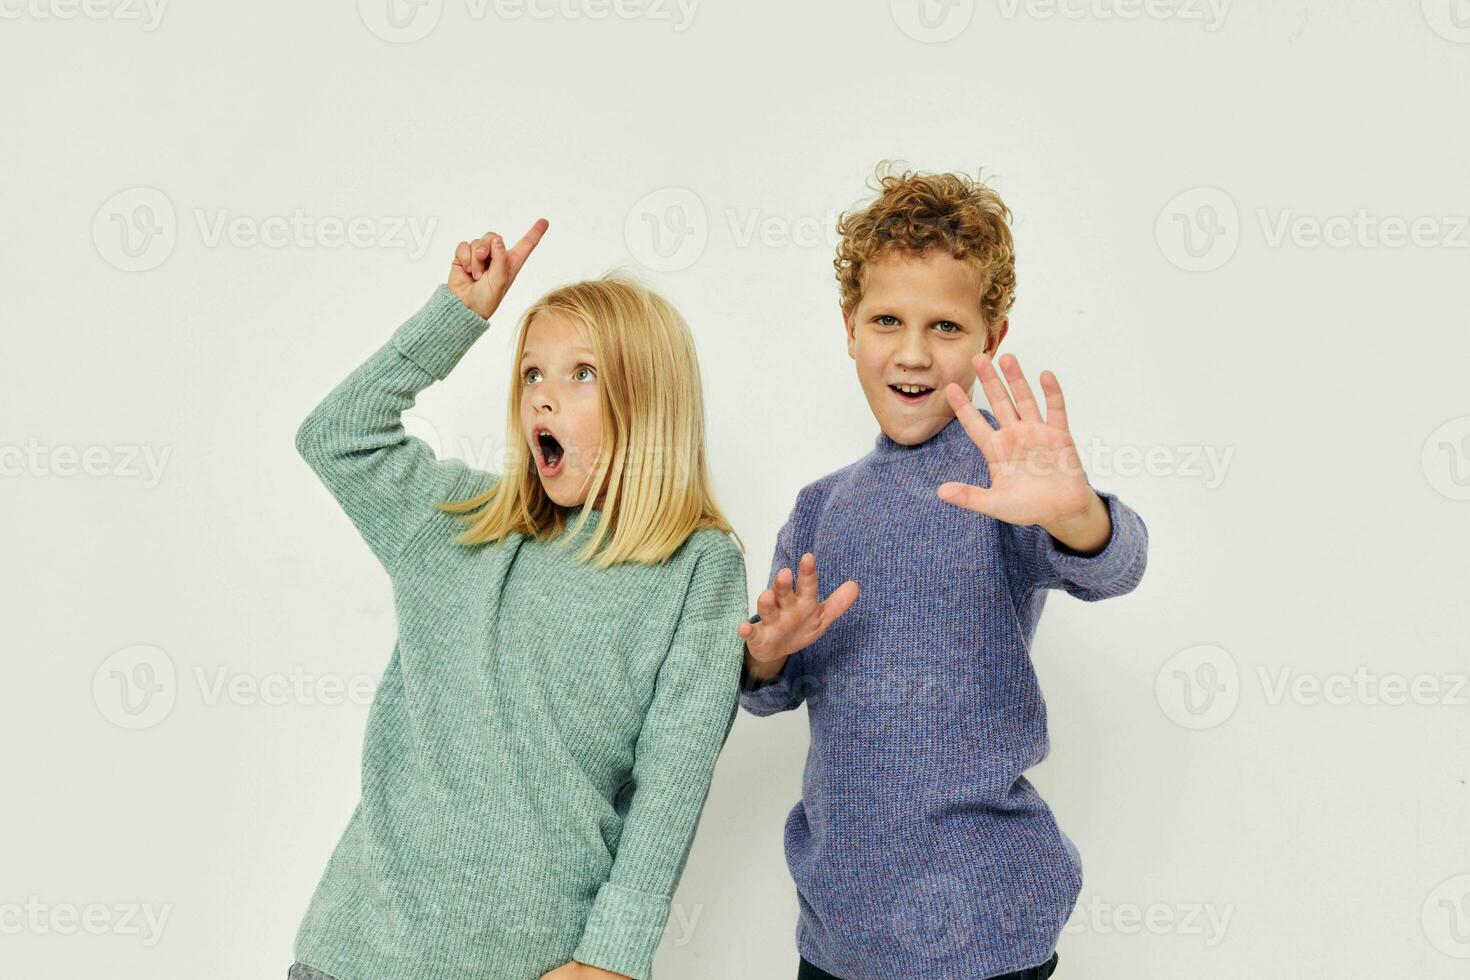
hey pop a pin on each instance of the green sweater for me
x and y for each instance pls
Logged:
(539, 749)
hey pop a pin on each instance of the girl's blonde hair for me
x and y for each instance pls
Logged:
(652, 460)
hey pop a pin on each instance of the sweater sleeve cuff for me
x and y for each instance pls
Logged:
(623, 931)
(773, 695)
(1104, 566)
(440, 333)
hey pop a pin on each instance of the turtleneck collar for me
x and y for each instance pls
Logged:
(952, 440)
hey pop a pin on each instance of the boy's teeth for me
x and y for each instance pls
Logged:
(912, 389)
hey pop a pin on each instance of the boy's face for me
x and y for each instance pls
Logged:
(561, 415)
(918, 323)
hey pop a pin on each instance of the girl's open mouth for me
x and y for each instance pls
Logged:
(549, 453)
(912, 394)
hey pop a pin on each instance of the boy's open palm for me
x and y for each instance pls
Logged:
(582, 971)
(483, 270)
(1036, 474)
(792, 618)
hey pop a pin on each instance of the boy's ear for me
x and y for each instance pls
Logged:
(1000, 334)
(851, 336)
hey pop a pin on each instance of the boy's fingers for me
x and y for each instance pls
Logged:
(975, 424)
(806, 582)
(1025, 401)
(1056, 406)
(1001, 405)
(839, 602)
(781, 585)
(966, 496)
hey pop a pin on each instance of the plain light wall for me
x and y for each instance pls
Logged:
(1261, 753)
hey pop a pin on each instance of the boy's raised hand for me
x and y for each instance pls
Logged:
(793, 618)
(483, 270)
(1036, 474)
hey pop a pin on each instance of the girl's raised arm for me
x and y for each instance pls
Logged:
(387, 481)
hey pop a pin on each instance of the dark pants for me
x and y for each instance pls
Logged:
(808, 972)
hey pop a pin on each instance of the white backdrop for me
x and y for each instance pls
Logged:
(1242, 248)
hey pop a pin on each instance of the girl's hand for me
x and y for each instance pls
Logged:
(582, 971)
(483, 270)
(1036, 473)
(793, 618)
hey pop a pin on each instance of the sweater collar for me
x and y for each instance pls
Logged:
(950, 441)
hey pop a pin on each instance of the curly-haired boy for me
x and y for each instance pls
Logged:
(919, 848)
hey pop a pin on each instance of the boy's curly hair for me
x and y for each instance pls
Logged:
(917, 211)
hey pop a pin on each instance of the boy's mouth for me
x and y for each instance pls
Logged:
(549, 452)
(911, 394)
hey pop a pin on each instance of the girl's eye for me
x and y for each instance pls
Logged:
(887, 320)
(947, 323)
(584, 369)
(530, 374)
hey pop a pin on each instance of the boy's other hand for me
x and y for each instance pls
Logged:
(482, 271)
(1036, 474)
(792, 618)
(582, 971)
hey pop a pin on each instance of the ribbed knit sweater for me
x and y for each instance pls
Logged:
(539, 749)
(918, 847)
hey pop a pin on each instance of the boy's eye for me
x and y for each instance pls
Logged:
(947, 323)
(886, 320)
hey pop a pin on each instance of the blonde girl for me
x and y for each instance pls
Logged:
(540, 746)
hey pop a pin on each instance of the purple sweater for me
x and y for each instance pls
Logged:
(919, 848)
